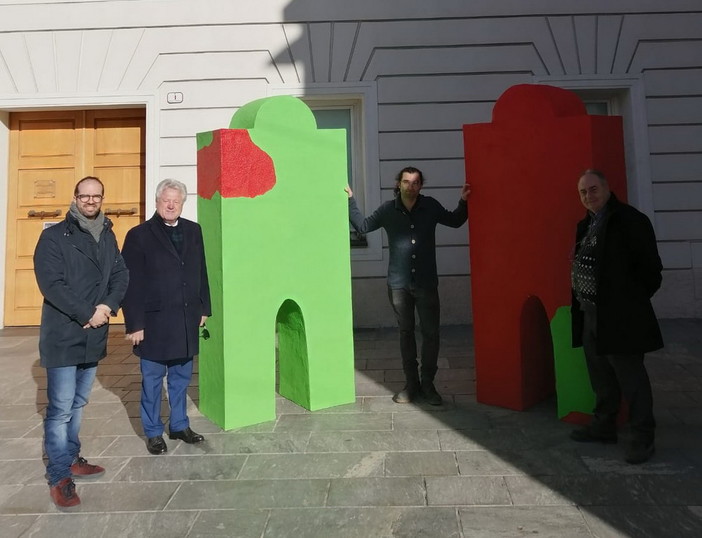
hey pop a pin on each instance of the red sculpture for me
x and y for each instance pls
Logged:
(523, 168)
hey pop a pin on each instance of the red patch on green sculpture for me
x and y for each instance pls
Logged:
(243, 170)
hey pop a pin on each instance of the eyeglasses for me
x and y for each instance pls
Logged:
(205, 334)
(86, 197)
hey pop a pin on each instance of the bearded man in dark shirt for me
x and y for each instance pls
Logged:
(410, 221)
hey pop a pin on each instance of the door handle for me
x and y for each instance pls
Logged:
(43, 214)
(119, 212)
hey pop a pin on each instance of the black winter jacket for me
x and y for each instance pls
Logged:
(627, 274)
(168, 293)
(75, 274)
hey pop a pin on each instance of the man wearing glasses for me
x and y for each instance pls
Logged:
(83, 278)
(167, 301)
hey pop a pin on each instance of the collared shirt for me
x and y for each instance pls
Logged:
(174, 233)
(411, 237)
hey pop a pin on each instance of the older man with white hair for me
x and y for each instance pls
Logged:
(167, 301)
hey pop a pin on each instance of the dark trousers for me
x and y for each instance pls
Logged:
(426, 302)
(614, 376)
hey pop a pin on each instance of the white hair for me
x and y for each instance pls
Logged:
(171, 184)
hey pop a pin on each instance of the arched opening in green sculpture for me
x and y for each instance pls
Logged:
(293, 365)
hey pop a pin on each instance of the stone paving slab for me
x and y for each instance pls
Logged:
(178, 468)
(461, 439)
(400, 441)
(584, 490)
(249, 494)
(378, 388)
(541, 521)
(392, 522)
(20, 412)
(376, 404)
(17, 526)
(286, 407)
(463, 490)
(17, 429)
(644, 522)
(449, 420)
(118, 525)
(22, 448)
(249, 443)
(328, 465)
(421, 464)
(22, 472)
(327, 422)
(409, 491)
(484, 463)
(240, 523)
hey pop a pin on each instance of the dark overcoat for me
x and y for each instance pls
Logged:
(168, 293)
(627, 274)
(75, 274)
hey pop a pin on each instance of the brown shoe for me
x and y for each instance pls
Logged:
(83, 470)
(64, 494)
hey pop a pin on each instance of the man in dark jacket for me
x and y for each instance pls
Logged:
(615, 273)
(167, 301)
(83, 278)
(410, 221)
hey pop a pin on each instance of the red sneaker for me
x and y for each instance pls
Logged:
(64, 494)
(82, 469)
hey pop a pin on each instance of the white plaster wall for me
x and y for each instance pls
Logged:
(435, 66)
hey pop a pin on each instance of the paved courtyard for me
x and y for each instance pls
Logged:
(368, 469)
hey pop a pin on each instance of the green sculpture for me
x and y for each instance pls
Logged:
(576, 400)
(274, 214)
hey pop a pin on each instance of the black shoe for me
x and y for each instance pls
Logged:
(406, 395)
(430, 394)
(187, 435)
(639, 452)
(588, 435)
(156, 445)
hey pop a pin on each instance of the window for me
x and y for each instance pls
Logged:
(597, 108)
(344, 115)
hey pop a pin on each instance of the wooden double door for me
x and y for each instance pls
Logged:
(49, 153)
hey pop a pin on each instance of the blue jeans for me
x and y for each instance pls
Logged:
(426, 302)
(68, 390)
(178, 372)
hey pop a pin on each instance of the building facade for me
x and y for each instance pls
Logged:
(120, 89)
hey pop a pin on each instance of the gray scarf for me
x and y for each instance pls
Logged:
(92, 226)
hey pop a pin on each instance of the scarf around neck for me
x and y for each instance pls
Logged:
(92, 226)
